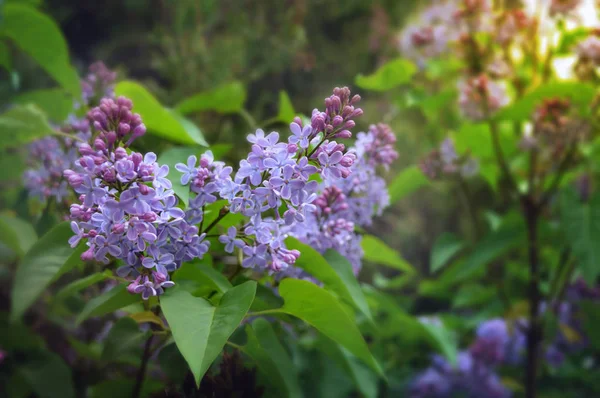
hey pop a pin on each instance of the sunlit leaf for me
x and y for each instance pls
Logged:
(17, 234)
(334, 271)
(159, 121)
(320, 309)
(227, 98)
(388, 76)
(376, 251)
(406, 182)
(286, 110)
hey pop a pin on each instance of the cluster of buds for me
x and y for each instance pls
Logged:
(480, 97)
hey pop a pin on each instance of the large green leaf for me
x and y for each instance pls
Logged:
(112, 300)
(40, 37)
(48, 258)
(190, 127)
(580, 94)
(22, 124)
(406, 182)
(271, 358)
(227, 98)
(124, 341)
(388, 76)
(334, 271)
(581, 226)
(378, 252)
(49, 376)
(158, 120)
(55, 102)
(445, 247)
(201, 330)
(323, 311)
(286, 110)
(17, 234)
(492, 246)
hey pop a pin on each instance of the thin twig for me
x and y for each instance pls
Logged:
(139, 380)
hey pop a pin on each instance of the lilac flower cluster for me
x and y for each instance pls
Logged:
(474, 375)
(351, 202)
(446, 162)
(50, 156)
(570, 337)
(431, 35)
(480, 97)
(127, 210)
(275, 185)
(502, 343)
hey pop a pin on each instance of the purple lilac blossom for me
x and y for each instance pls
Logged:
(343, 204)
(274, 185)
(50, 156)
(127, 210)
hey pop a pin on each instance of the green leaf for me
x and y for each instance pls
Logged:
(376, 251)
(474, 294)
(272, 359)
(227, 98)
(171, 157)
(334, 271)
(17, 234)
(190, 127)
(55, 102)
(364, 379)
(80, 284)
(390, 75)
(581, 225)
(446, 246)
(22, 124)
(286, 109)
(406, 182)
(124, 341)
(49, 376)
(442, 337)
(158, 120)
(40, 37)
(201, 330)
(569, 39)
(112, 300)
(580, 95)
(47, 259)
(203, 276)
(492, 246)
(320, 309)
